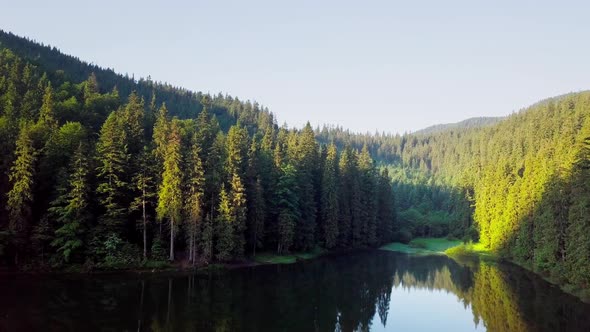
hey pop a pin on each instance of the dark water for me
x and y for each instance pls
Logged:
(365, 291)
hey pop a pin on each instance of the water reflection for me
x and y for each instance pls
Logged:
(367, 291)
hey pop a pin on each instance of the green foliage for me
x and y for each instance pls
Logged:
(87, 165)
(70, 208)
(120, 254)
(170, 191)
(423, 245)
(21, 177)
(288, 208)
(329, 198)
(112, 158)
(224, 228)
(158, 250)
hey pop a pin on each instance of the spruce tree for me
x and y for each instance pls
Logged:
(238, 215)
(224, 228)
(194, 192)
(170, 191)
(288, 205)
(144, 188)
(329, 198)
(70, 209)
(20, 196)
(112, 158)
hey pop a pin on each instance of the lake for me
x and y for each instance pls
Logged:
(371, 290)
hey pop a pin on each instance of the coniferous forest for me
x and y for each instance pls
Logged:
(108, 171)
(99, 168)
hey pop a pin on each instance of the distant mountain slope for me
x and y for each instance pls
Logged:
(181, 102)
(477, 122)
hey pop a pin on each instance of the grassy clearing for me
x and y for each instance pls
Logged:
(272, 258)
(422, 246)
(470, 249)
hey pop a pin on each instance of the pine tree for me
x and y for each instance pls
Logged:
(133, 119)
(46, 114)
(238, 215)
(385, 209)
(207, 238)
(112, 169)
(288, 206)
(329, 198)
(307, 161)
(224, 228)
(160, 135)
(345, 196)
(170, 192)
(145, 188)
(237, 150)
(256, 216)
(195, 190)
(20, 196)
(367, 197)
(70, 209)
(256, 203)
(214, 172)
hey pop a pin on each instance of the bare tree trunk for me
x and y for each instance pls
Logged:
(171, 239)
(195, 249)
(190, 249)
(144, 228)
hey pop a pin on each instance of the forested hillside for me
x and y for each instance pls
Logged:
(525, 178)
(98, 168)
(108, 172)
(470, 123)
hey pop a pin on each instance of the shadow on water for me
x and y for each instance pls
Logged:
(357, 292)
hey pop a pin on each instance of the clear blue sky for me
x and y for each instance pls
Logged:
(389, 65)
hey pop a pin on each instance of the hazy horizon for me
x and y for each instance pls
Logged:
(383, 66)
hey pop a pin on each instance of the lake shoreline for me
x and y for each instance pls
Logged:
(166, 267)
(475, 251)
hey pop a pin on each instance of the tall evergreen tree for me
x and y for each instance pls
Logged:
(145, 192)
(195, 190)
(70, 209)
(368, 195)
(329, 198)
(170, 191)
(238, 215)
(224, 228)
(307, 171)
(112, 158)
(20, 196)
(288, 206)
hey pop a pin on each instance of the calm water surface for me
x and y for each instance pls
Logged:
(365, 291)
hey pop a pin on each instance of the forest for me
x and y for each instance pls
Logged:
(101, 168)
(97, 177)
(519, 187)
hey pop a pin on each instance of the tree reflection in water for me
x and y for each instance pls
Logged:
(339, 293)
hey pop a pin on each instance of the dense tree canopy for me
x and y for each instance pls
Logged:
(92, 174)
(520, 186)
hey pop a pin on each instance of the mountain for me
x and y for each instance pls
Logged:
(183, 103)
(470, 123)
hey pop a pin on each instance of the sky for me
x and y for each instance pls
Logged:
(392, 66)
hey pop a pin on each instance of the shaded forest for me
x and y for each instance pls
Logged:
(101, 173)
